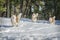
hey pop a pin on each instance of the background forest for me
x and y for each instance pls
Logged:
(44, 8)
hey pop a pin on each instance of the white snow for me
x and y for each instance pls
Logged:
(28, 30)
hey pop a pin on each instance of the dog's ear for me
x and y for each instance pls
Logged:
(33, 14)
(36, 14)
(19, 15)
(13, 18)
(54, 17)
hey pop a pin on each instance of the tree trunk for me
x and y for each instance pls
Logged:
(21, 5)
(8, 8)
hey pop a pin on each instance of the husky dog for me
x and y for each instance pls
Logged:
(15, 19)
(52, 20)
(34, 17)
(18, 17)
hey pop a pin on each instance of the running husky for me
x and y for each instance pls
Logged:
(52, 20)
(15, 19)
(34, 17)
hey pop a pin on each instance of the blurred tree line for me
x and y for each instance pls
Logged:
(44, 8)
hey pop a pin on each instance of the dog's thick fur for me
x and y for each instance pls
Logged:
(52, 20)
(34, 17)
(15, 19)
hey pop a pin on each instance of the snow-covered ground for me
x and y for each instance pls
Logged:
(28, 30)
